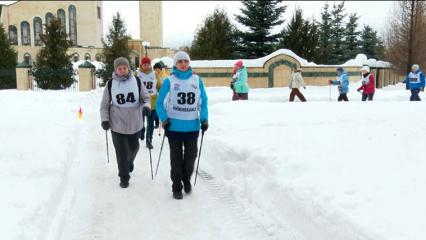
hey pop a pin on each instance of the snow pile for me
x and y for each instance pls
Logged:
(166, 60)
(98, 65)
(361, 60)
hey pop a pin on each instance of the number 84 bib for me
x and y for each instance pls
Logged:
(184, 98)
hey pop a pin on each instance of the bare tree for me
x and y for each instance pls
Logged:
(405, 35)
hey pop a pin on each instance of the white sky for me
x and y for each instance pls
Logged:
(181, 18)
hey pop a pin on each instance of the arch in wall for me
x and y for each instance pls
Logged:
(98, 57)
(37, 25)
(279, 69)
(87, 57)
(72, 19)
(13, 35)
(76, 57)
(27, 58)
(25, 33)
(49, 17)
(61, 16)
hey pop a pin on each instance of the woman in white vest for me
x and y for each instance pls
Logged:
(183, 115)
(123, 103)
(151, 80)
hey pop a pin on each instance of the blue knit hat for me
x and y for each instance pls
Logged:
(340, 69)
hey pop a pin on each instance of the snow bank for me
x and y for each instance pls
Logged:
(361, 60)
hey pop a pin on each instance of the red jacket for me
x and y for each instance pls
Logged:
(369, 87)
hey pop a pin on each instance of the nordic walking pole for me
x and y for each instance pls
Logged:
(159, 157)
(199, 155)
(329, 93)
(150, 162)
(106, 138)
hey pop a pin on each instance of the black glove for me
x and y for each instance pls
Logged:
(204, 125)
(232, 86)
(105, 125)
(166, 124)
(146, 111)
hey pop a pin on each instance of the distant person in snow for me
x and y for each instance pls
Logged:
(342, 82)
(183, 116)
(152, 82)
(297, 82)
(416, 82)
(124, 101)
(240, 84)
(368, 84)
(234, 94)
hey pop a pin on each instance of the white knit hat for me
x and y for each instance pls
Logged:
(365, 68)
(181, 55)
(416, 66)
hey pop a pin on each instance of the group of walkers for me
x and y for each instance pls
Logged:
(179, 101)
(415, 82)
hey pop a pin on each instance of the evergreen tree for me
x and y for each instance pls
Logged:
(7, 62)
(214, 39)
(259, 17)
(325, 31)
(351, 44)
(300, 36)
(337, 33)
(53, 67)
(370, 44)
(115, 45)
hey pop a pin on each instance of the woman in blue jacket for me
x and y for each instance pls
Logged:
(415, 81)
(182, 109)
(342, 82)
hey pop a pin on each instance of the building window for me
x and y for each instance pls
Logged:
(98, 57)
(49, 17)
(99, 12)
(73, 24)
(13, 35)
(75, 57)
(37, 31)
(25, 33)
(61, 16)
(87, 57)
(27, 58)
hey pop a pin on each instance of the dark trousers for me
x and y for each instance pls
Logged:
(242, 96)
(343, 97)
(126, 147)
(234, 95)
(150, 125)
(367, 96)
(183, 153)
(415, 95)
(296, 92)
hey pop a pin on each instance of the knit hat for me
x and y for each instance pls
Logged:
(145, 60)
(416, 66)
(181, 55)
(365, 68)
(121, 61)
(340, 69)
(239, 64)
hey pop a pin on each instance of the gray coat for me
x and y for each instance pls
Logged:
(124, 120)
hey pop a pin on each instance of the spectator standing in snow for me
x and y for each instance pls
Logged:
(152, 82)
(186, 113)
(124, 101)
(416, 82)
(368, 84)
(295, 83)
(240, 85)
(234, 79)
(342, 82)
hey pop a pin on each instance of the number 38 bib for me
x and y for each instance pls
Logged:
(184, 98)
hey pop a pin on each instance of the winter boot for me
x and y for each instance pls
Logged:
(124, 183)
(177, 195)
(187, 187)
(149, 144)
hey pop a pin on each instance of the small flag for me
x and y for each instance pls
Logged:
(80, 114)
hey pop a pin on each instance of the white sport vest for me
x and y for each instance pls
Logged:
(150, 82)
(184, 98)
(125, 93)
(366, 80)
(414, 77)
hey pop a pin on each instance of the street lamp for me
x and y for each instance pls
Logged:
(145, 46)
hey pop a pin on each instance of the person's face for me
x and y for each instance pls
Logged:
(364, 72)
(338, 73)
(122, 70)
(182, 65)
(157, 70)
(413, 70)
(146, 66)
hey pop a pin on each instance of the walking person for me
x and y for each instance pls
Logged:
(240, 85)
(124, 100)
(368, 84)
(416, 82)
(152, 82)
(183, 116)
(296, 83)
(342, 82)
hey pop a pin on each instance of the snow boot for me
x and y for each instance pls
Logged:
(132, 166)
(149, 145)
(124, 183)
(187, 187)
(177, 195)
